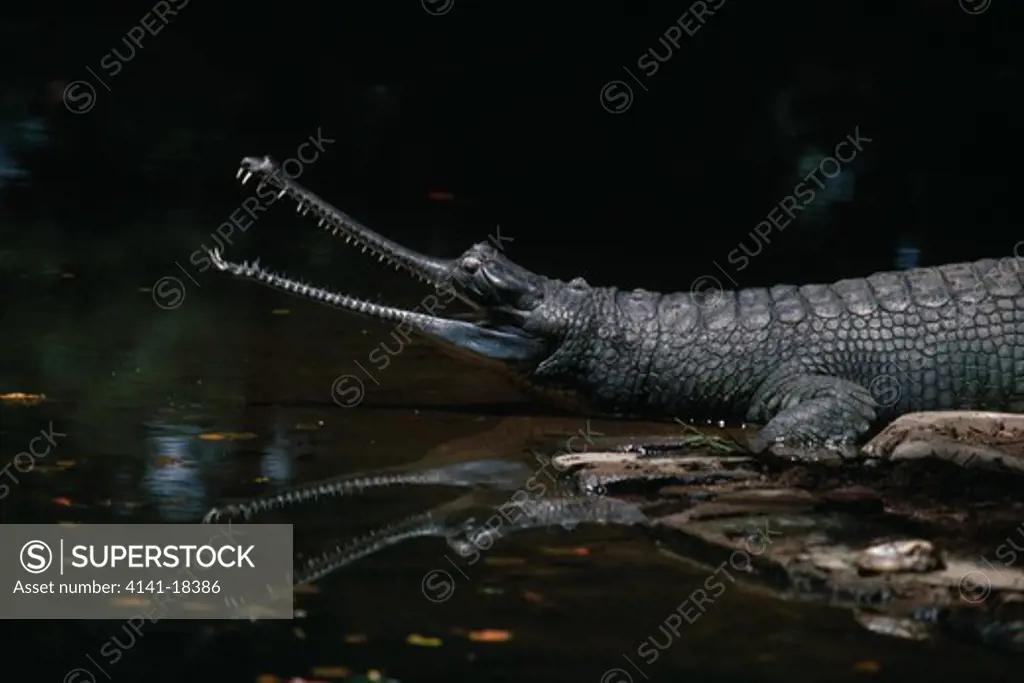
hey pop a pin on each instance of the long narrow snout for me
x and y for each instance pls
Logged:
(431, 270)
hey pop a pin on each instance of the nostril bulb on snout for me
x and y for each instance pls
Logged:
(470, 264)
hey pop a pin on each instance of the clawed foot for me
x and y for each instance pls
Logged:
(811, 418)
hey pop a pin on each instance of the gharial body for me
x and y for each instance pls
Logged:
(817, 365)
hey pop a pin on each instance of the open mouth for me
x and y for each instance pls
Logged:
(453, 278)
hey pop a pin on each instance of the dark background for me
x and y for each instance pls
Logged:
(445, 127)
(499, 105)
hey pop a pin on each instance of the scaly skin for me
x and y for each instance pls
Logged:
(817, 364)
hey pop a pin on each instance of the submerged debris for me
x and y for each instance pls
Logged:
(19, 398)
(803, 532)
(970, 439)
(900, 556)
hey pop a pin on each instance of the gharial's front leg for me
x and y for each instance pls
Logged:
(807, 416)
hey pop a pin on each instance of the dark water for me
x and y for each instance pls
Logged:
(133, 388)
(142, 355)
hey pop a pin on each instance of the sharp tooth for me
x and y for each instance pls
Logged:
(298, 209)
(241, 170)
(246, 178)
(348, 238)
(282, 193)
(364, 250)
(381, 259)
(320, 223)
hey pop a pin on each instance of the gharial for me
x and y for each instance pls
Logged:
(817, 365)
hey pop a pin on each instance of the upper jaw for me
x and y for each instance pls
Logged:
(431, 270)
(510, 344)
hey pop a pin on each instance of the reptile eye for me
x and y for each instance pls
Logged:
(471, 264)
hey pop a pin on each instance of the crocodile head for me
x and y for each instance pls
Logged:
(515, 317)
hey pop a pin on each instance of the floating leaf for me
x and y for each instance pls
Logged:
(424, 641)
(331, 671)
(867, 666)
(47, 469)
(226, 436)
(19, 398)
(576, 551)
(490, 636)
